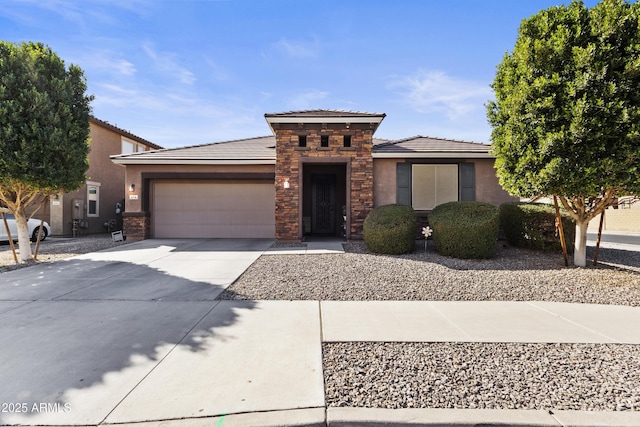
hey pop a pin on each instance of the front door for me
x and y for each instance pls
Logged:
(323, 204)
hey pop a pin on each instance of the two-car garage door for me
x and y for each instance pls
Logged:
(213, 209)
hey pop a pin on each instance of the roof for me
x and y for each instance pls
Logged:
(324, 113)
(324, 116)
(259, 150)
(123, 132)
(431, 147)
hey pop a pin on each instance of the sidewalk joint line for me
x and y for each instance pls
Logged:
(613, 340)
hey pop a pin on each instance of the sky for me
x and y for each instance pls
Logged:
(188, 72)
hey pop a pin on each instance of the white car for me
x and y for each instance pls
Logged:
(34, 225)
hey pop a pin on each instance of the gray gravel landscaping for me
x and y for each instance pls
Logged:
(57, 248)
(514, 275)
(598, 377)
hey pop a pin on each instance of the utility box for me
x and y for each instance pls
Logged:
(77, 209)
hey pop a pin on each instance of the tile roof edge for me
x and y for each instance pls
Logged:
(123, 132)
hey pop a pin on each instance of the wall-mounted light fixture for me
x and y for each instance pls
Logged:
(132, 188)
(286, 183)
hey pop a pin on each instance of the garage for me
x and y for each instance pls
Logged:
(213, 209)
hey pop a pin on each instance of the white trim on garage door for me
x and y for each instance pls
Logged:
(213, 209)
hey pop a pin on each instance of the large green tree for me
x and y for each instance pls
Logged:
(566, 117)
(44, 129)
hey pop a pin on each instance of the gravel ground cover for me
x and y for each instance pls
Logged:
(55, 249)
(514, 275)
(599, 377)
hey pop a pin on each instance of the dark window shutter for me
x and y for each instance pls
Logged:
(467, 184)
(403, 183)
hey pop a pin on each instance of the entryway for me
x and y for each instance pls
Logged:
(324, 200)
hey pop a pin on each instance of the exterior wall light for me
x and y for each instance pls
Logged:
(286, 183)
(132, 188)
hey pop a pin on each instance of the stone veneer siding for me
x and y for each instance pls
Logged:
(290, 159)
(136, 225)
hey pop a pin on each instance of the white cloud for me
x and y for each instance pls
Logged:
(307, 99)
(297, 49)
(104, 60)
(168, 64)
(435, 91)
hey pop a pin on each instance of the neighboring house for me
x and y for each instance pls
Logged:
(95, 204)
(320, 173)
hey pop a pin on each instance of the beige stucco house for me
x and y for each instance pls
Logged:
(320, 172)
(101, 200)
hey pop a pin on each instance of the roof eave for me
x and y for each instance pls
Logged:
(434, 155)
(376, 120)
(167, 161)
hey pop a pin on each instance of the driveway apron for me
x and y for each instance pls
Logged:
(135, 333)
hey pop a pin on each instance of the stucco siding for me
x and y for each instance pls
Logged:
(384, 181)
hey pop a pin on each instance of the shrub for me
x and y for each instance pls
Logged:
(532, 225)
(465, 229)
(390, 229)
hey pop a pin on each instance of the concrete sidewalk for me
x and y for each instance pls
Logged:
(135, 337)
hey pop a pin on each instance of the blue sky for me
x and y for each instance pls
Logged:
(185, 72)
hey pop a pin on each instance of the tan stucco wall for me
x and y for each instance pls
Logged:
(618, 220)
(487, 186)
(104, 143)
(134, 176)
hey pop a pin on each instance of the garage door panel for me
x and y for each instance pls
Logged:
(212, 209)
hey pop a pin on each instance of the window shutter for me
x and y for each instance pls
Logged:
(403, 183)
(467, 181)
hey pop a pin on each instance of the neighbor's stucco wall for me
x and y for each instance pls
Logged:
(103, 144)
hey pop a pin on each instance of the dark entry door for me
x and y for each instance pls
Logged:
(323, 204)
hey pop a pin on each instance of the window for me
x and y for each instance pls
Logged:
(93, 199)
(128, 147)
(347, 140)
(140, 148)
(324, 140)
(433, 185)
(302, 140)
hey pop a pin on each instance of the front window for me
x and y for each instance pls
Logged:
(433, 185)
(93, 199)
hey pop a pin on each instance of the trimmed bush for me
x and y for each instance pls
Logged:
(390, 229)
(465, 229)
(533, 226)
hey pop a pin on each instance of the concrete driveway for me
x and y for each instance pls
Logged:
(135, 334)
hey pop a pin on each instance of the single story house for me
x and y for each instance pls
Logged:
(320, 173)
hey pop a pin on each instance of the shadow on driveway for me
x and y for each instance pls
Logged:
(78, 335)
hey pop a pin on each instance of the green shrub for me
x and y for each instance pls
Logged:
(390, 229)
(465, 229)
(532, 225)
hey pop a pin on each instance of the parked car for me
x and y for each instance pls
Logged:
(34, 225)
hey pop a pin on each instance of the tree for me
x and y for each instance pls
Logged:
(44, 129)
(566, 118)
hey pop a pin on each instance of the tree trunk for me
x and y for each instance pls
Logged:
(23, 236)
(580, 250)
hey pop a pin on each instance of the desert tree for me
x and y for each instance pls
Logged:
(566, 115)
(44, 130)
